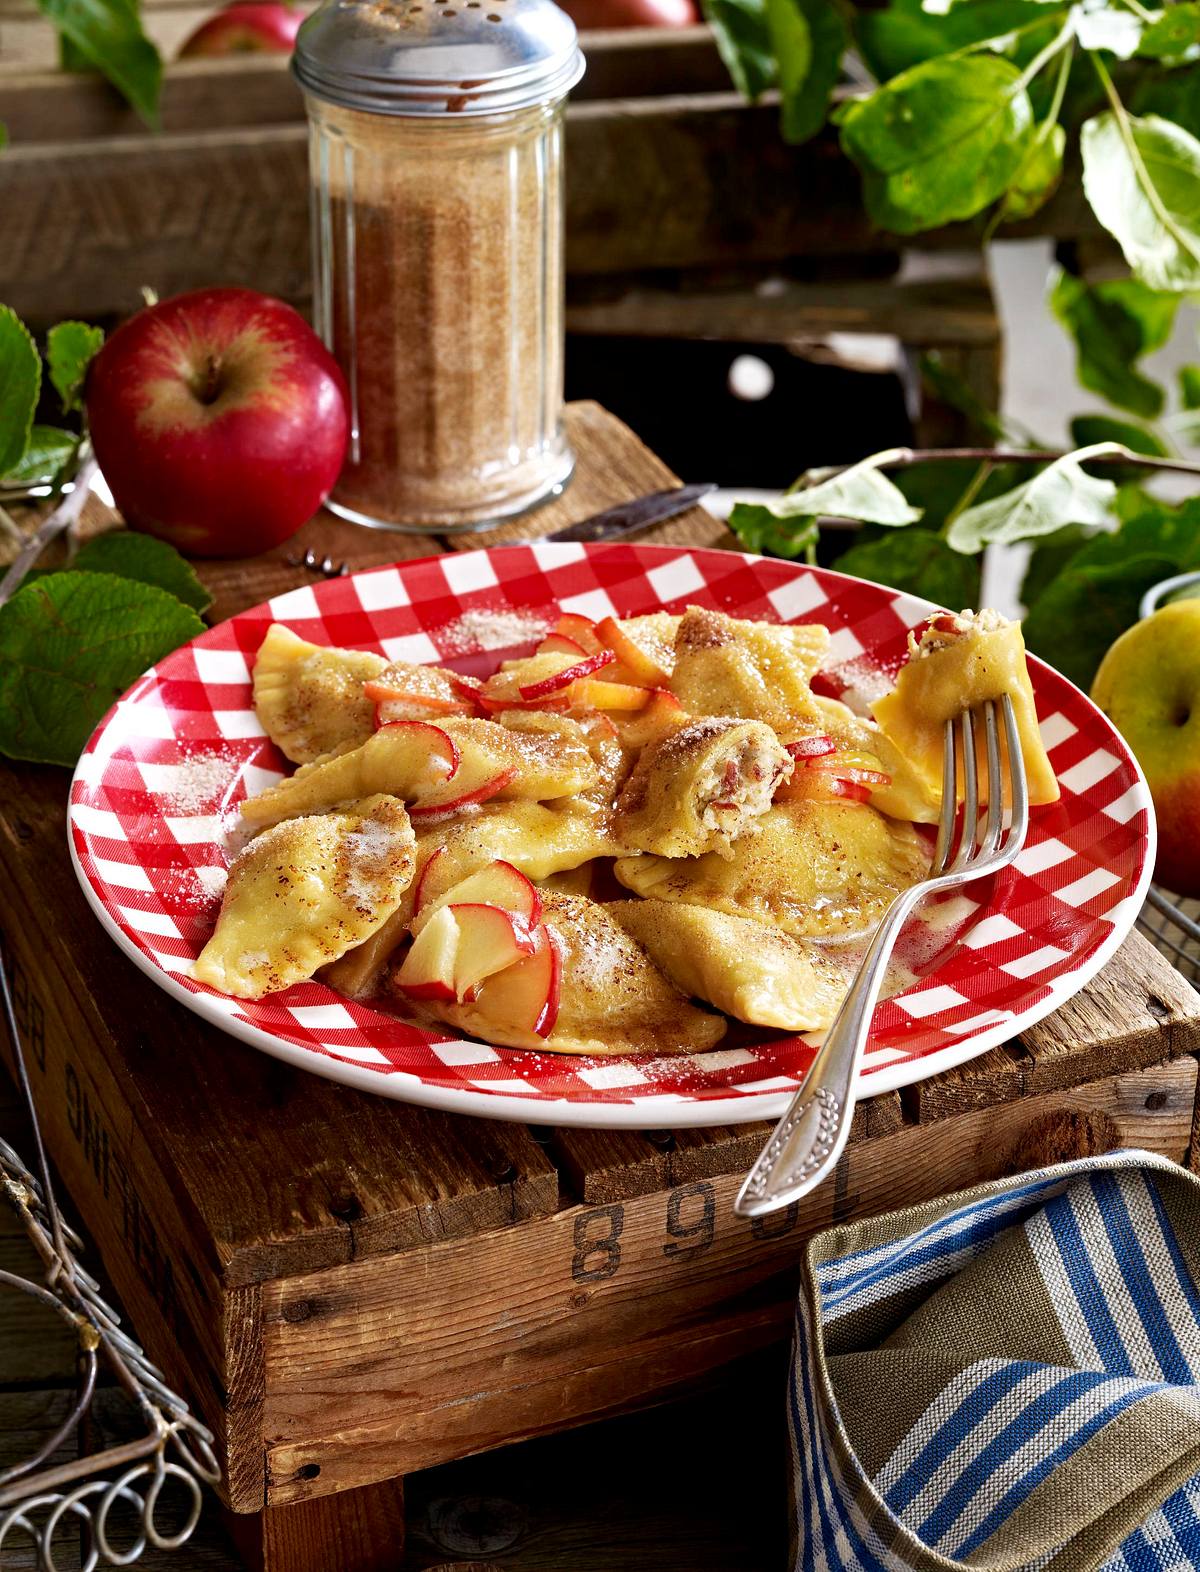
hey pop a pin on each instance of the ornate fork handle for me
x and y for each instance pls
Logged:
(812, 1133)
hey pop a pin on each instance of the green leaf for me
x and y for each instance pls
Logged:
(1111, 27)
(808, 38)
(149, 561)
(951, 389)
(1097, 594)
(918, 563)
(1091, 430)
(1038, 177)
(20, 384)
(1189, 386)
(70, 644)
(1059, 494)
(1114, 323)
(1049, 557)
(108, 35)
(761, 530)
(903, 34)
(1172, 95)
(1175, 37)
(744, 43)
(70, 347)
(47, 452)
(939, 142)
(1149, 199)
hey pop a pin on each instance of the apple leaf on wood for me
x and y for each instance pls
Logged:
(47, 451)
(69, 350)
(70, 644)
(1114, 323)
(149, 561)
(1059, 494)
(902, 34)
(743, 41)
(1088, 430)
(108, 35)
(20, 384)
(939, 142)
(1038, 177)
(808, 38)
(1142, 178)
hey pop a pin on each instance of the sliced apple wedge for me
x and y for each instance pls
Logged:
(502, 690)
(525, 997)
(476, 779)
(545, 686)
(499, 884)
(489, 941)
(601, 695)
(662, 712)
(403, 691)
(560, 644)
(427, 971)
(641, 668)
(581, 630)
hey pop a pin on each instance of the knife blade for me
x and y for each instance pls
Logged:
(629, 517)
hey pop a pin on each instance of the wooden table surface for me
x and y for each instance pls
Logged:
(355, 1293)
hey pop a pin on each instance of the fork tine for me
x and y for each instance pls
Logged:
(945, 834)
(1018, 786)
(966, 844)
(995, 783)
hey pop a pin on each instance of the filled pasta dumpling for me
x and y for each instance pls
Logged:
(304, 892)
(310, 700)
(758, 670)
(814, 869)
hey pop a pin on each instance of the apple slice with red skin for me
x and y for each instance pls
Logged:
(560, 644)
(427, 971)
(415, 694)
(581, 630)
(601, 695)
(489, 941)
(569, 674)
(662, 712)
(436, 756)
(477, 780)
(526, 996)
(642, 669)
(498, 884)
(811, 747)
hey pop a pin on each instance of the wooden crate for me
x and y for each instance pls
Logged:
(351, 1290)
(668, 170)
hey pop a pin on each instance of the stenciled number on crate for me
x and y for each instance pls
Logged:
(598, 1255)
(690, 1238)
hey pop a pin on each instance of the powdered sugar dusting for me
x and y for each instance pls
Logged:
(497, 629)
(200, 781)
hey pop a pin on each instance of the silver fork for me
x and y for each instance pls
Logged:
(808, 1140)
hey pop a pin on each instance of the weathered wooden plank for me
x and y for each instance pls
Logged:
(656, 182)
(1138, 1010)
(362, 1530)
(474, 1343)
(618, 468)
(924, 313)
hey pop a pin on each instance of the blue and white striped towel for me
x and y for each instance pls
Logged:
(1005, 1379)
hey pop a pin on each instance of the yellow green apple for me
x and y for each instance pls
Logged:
(1149, 687)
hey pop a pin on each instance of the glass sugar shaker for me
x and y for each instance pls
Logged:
(435, 151)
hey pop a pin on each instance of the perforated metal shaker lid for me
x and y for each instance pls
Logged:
(438, 57)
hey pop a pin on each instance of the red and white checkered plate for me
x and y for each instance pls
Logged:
(173, 757)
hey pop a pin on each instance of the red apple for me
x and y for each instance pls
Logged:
(559, 644)
(219, 421)
(246, 27)
(589, 14)
(427, 971)
(580, 630)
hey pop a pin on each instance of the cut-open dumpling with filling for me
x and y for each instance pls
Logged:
(747, 969)
(759, 670)
(310, 700)
(438, 769)
(961, 661)
(698, 788)
(304, 892)
(585, 988)
(814, 868)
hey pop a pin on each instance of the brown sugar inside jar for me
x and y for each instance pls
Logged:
(436, 166)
